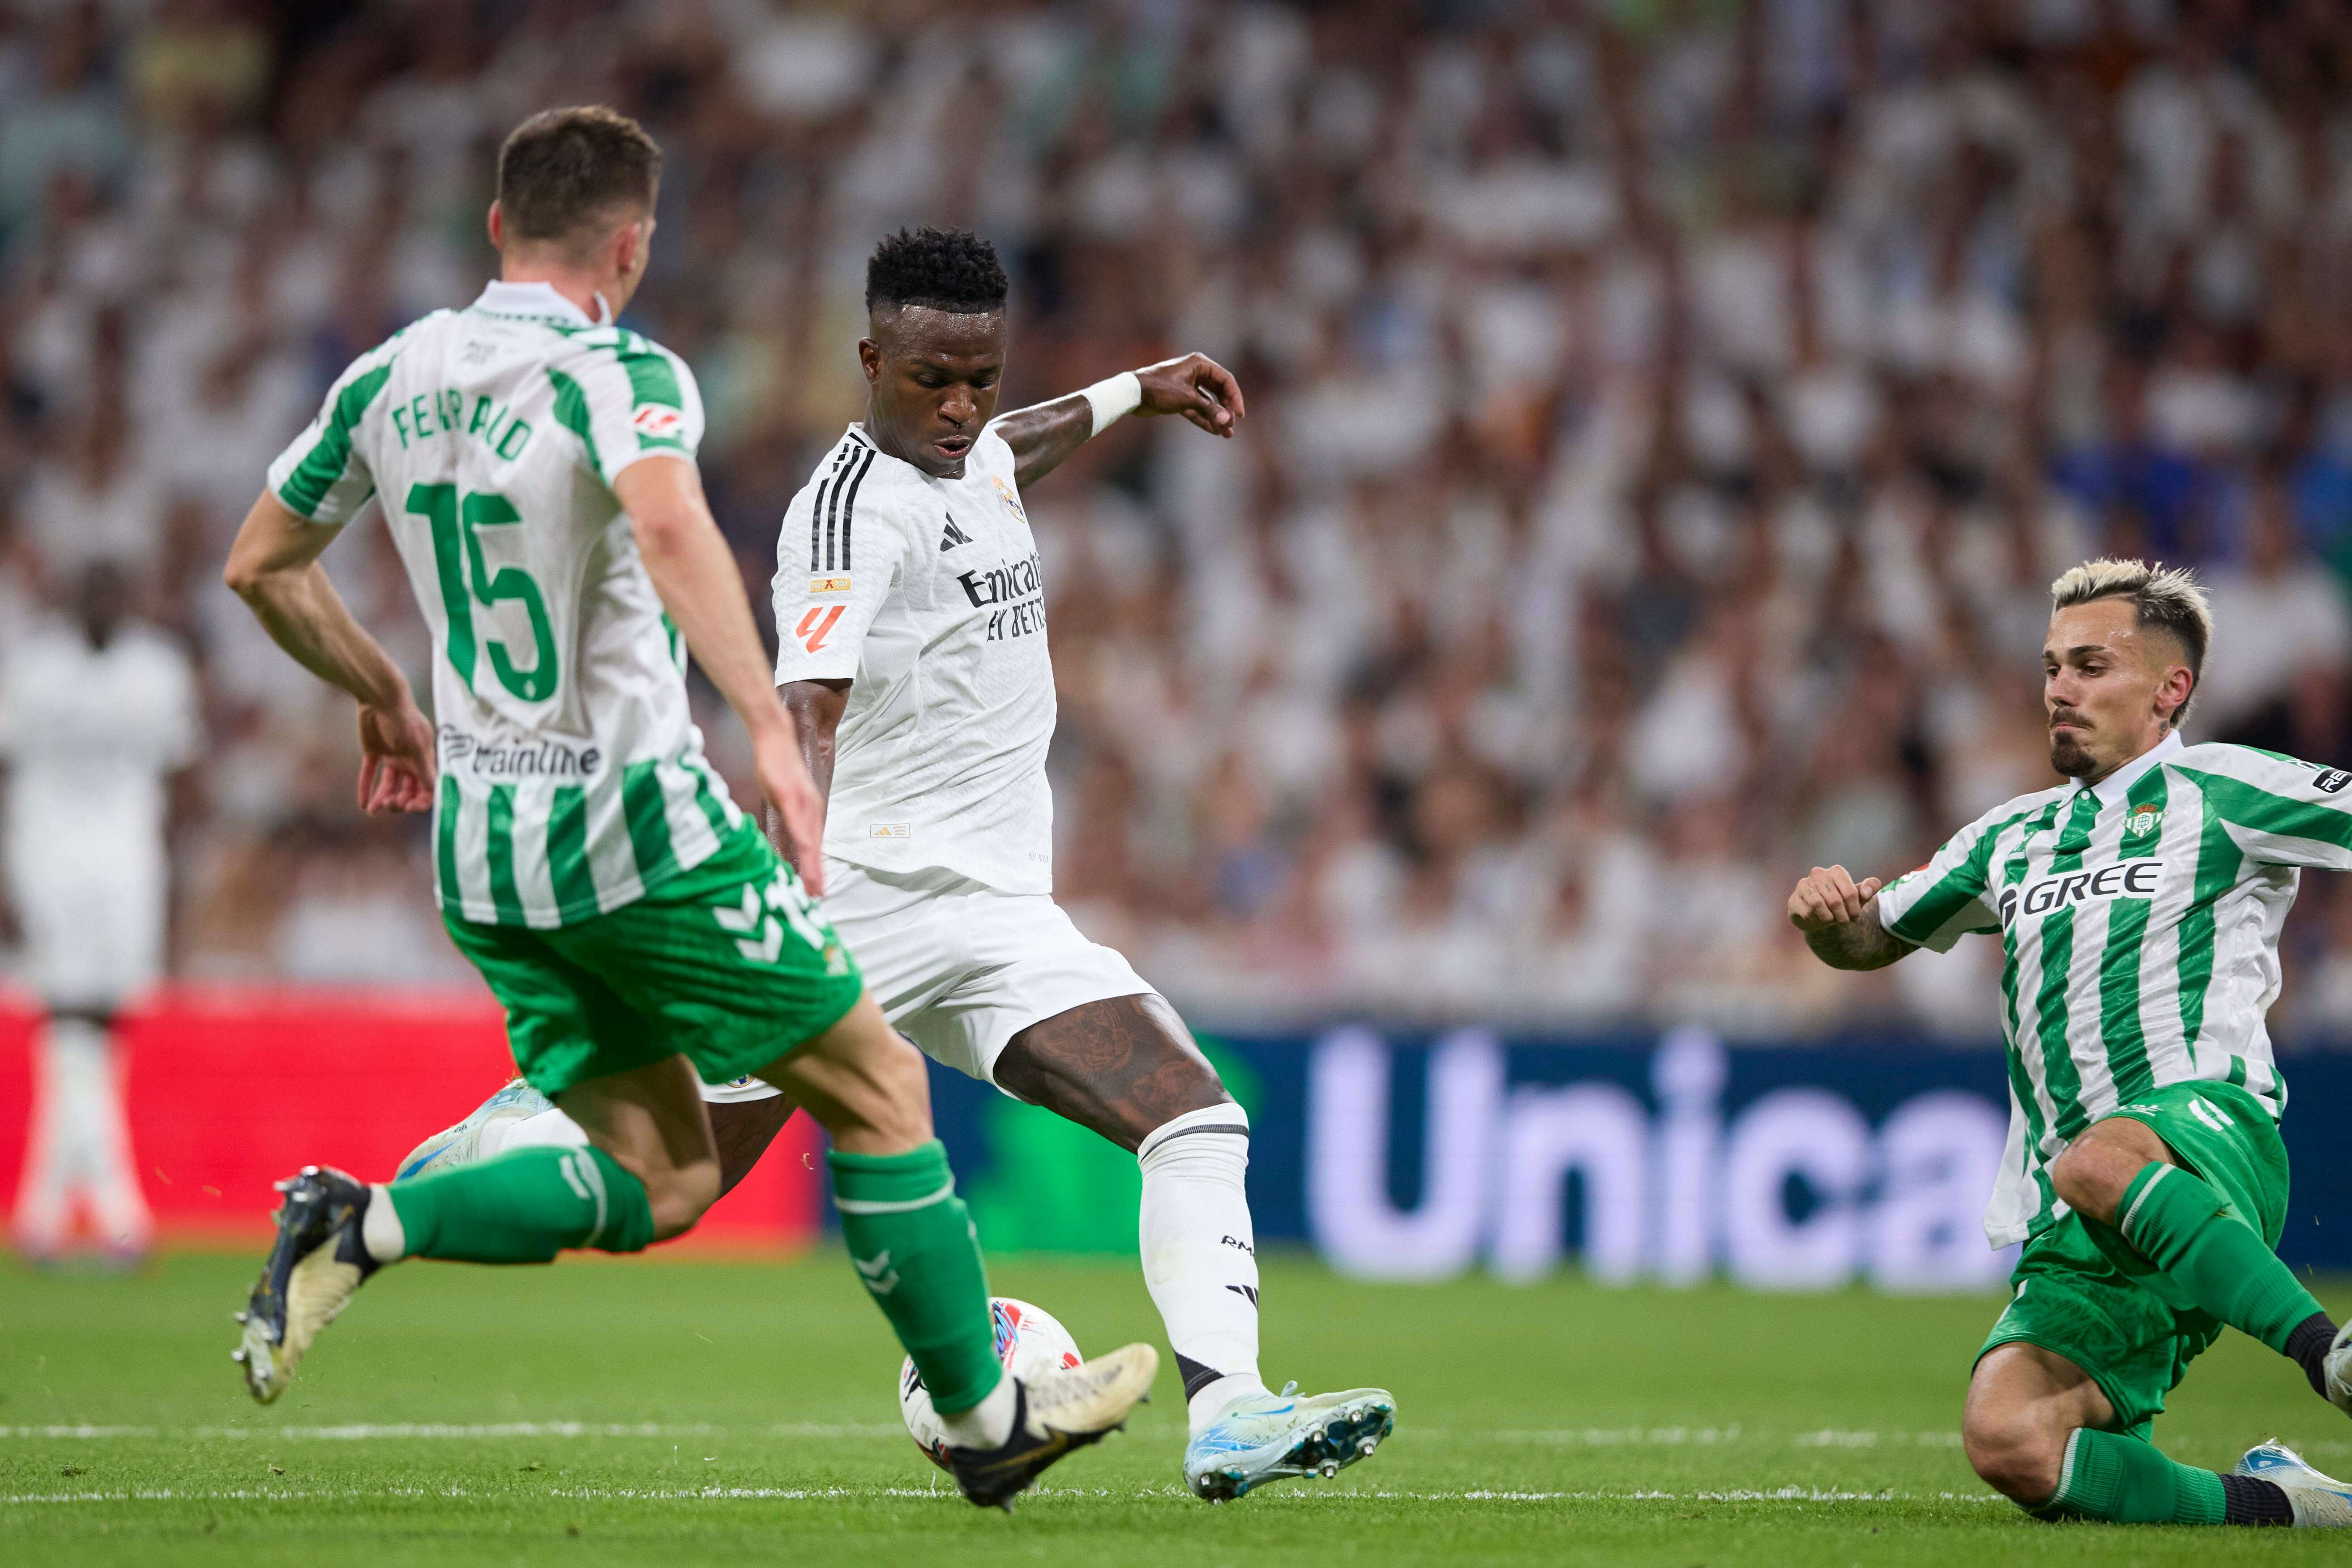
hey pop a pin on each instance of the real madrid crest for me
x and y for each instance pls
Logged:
(2142, 820)
(1004, 493)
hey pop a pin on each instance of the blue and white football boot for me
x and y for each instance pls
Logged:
(1263, 1438)
(461, 1144)
(2320, 1502)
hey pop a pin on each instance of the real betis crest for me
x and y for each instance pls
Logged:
(2142, 820)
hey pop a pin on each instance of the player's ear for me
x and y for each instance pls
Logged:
(498, 226)
(2179, 686)
(870, 359)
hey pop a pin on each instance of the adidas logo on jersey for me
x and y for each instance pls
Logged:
(953, 536)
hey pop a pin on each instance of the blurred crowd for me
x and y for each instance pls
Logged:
(1664, 419)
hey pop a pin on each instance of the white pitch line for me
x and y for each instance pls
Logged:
(821, 1494)
(444, 1432)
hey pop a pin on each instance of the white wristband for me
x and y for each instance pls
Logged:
(1110, 399)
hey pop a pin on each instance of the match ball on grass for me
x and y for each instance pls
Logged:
(1030, 1343)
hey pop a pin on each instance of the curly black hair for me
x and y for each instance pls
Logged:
(937, 269)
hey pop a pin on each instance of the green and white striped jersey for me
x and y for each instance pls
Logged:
(572, 777)
(2140, 920)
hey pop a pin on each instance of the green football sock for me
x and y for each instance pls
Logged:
(2127, 1481)
(915, 1248)
(2178, 1223)
(524, 1207)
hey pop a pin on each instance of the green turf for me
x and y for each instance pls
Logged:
(727, 1413)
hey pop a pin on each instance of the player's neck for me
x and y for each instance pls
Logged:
(583, 289)
(879, 433)
(2093, 781)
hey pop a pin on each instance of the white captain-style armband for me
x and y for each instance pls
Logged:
(1120, 394)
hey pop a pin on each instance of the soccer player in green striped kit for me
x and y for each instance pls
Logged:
(2138, 908)
(535, 465)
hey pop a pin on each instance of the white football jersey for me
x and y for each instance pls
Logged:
(89, 735)
(572, 777)
(925, 593)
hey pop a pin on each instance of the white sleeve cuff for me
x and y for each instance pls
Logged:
(1110, 399)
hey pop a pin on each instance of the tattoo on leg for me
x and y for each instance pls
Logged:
(1121, 1067)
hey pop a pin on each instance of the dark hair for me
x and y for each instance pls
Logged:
(563, 169)
(937, 268)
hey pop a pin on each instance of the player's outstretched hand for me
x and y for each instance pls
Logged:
(1196, 386)
(1829, 896)
(396, 760)
(784, 779)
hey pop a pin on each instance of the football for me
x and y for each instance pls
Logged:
(1029, 1341)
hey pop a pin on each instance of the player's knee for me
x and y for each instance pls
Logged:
(680, 1196)
(903, 1110)
(2090, 1180)
(2017, 1457)
(886, 1108)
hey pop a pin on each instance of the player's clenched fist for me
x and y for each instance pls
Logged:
(1829, 896)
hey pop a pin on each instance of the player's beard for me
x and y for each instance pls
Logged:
(2068, 758)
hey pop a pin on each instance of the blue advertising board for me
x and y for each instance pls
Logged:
(1675, 1158)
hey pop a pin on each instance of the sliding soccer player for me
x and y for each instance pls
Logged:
(2140, 908)
(536, 468)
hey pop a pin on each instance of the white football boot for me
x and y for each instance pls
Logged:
(461, 1144)
(318, 1260)
(1263, 1438)
(2320, 1502)
(2337, 1370)
(1055, 1415)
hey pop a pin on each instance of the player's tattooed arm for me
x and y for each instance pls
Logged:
(1193, 386)
(1840, 920)
(1043, 435)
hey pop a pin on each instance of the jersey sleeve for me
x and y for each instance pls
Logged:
(2278, 810)
(1943, 901)
(627, 398)
(324, 476)
(857, 541)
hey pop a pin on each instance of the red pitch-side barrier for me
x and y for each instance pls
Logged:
(230, 1090)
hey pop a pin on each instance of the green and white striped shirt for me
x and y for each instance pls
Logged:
(2139, 922)
(571, 775)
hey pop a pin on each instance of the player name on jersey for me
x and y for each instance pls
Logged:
(572, 778)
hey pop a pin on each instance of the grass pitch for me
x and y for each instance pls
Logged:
(656, 1413)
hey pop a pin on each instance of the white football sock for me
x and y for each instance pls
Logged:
(80, 1145)
(987, 1425)
(381, 1231)
(1200, 1254)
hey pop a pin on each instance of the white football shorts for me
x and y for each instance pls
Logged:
(93, 923)
(958, 967)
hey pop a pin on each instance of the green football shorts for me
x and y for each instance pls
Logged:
(2081, 1290)
(731, 962)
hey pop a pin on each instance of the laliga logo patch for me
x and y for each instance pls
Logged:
(656, 422)
(2143, 821)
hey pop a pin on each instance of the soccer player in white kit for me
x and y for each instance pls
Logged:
(911, 610)
(95, 713)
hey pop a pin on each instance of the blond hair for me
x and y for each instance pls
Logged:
(2168, 601)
